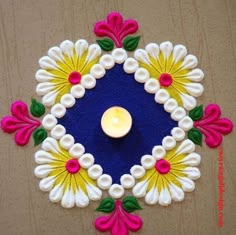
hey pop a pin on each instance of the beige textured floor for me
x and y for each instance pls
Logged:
(29, 27)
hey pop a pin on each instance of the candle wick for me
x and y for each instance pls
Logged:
(115, 120)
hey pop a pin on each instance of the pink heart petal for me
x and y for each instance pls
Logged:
(212, 113)
(105, 223)
(115, 20)
(19, 110)
(129, 27)
(223, 125)
(11, 124)
(133, 222)
(23, 135)
(212, 138)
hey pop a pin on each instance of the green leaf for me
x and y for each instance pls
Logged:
(130, 43)
(39, 136)
(130, 204)
(107, 205)
(196, 113)
(106, 44)
(196, 136)
(36, 108)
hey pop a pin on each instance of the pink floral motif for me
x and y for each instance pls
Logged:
(20, 122)
(119, 222)
(115, 28)
(212, 126)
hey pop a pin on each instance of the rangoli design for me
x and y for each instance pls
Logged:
(156, 160)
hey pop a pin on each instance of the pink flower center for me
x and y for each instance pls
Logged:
(72, 166)
(165, 79)
(74, 77)
(162, 166)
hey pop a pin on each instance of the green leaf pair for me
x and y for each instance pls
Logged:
(194, 134)
(37, 109)
(129, 204)
(130, 43)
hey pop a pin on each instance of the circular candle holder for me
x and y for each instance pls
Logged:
(116, 122)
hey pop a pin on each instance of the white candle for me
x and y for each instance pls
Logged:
(116, 122)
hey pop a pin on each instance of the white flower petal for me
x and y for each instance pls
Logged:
(139, 190)
(142, 56)
(189, 102)
(190, 62)
(56, 193)
(50, 145)
(187, 184)
(43, 157)
(56, 54)
(50, 98)
(187, 146)
(152, 197)
(192, 159)
(179, 53)
(164, 197)
(196, 75)
(177, 194)
(81, 199)
(68, 199)
(44, 87)
(194, 89)
(43, 76)
(42, 171)
(94, 51)
(166, 49)
(67, 48)
(47, 63)
(80, 47)
(47, 183)
(192, 172)
(94, 193)
(153, 50)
